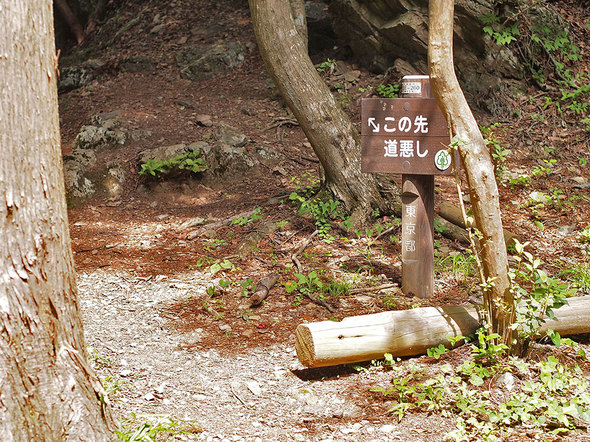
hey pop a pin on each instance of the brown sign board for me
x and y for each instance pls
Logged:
(404, 135)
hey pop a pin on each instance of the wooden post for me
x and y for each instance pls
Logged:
(417, 213)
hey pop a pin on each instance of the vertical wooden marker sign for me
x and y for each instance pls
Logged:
(417, 213)
(409, 135)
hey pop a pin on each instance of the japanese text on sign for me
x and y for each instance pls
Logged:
(405, 136)
(409, 233)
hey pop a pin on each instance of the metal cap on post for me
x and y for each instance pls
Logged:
(417, 213)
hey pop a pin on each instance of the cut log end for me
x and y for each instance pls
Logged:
(304, 345)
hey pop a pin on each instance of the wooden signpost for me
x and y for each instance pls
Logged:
(409, 135)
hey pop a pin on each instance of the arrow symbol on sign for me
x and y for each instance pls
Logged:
(371, 122)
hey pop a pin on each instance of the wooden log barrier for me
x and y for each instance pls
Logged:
(410, 332)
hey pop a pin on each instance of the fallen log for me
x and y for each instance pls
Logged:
(453, 214)
(410, 332)
(262, 289)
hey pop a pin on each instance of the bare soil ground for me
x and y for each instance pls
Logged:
(168, 340)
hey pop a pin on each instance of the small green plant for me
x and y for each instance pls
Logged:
(521, 181)
(329, 65)
(155, 427)
(459, 264)
(388, 90)
(498, 151)
(437, 352)
(226, 264)
(98, 359)
(502, 33)
(247, 287)
(544, 397)
(322, 211)
(245, 220)
(190, 162)
(305, 284)
(112, 386)
(579, 276)
(584, 235)
(536, 294)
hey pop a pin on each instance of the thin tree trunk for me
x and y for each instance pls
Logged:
(498, 299)
(71, 20)
(329, 130)
(48, 391)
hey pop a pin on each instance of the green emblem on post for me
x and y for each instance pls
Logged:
(442, 160)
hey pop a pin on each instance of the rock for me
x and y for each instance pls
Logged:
(149, 397)
(227, 157)
(114, 179)
(198, 62)
(565, 230)
(125, 373)
(157, 29)
(136, 64)
(580, 180)
(386, 34)
(254, 387)
(204, 120)
(77, 185)
(102, 134)
(230, 135)
(74, 77)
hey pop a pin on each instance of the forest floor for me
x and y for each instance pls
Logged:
(166, 312)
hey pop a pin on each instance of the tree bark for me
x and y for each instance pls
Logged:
(329, 130)
(498, 299)
(411, 332)
(48, 391)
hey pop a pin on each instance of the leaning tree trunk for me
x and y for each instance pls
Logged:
(498, 299)
(48, 391)
(334, 139)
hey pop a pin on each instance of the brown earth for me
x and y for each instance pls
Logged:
(172, 340)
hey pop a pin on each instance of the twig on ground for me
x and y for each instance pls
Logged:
(386, 231)
(319, 302)
(278, 122)
(375, 289)
(301, 249)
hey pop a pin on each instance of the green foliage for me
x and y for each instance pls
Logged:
(579, 276)
(388, 90)
(305, 284)
(487, 349)
(436, 352)
(112, 386)
(498, 151)
(322, 212)
(584, 235)
(536, 294)
(543, 396)
(245, 220)
(226, 264)
(328, 65)
(459, 264)
(502, 33)
(154, 428)
(190, 162)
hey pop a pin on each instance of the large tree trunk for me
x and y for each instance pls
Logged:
(498, 299)
(329, 130)
(48, 391)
